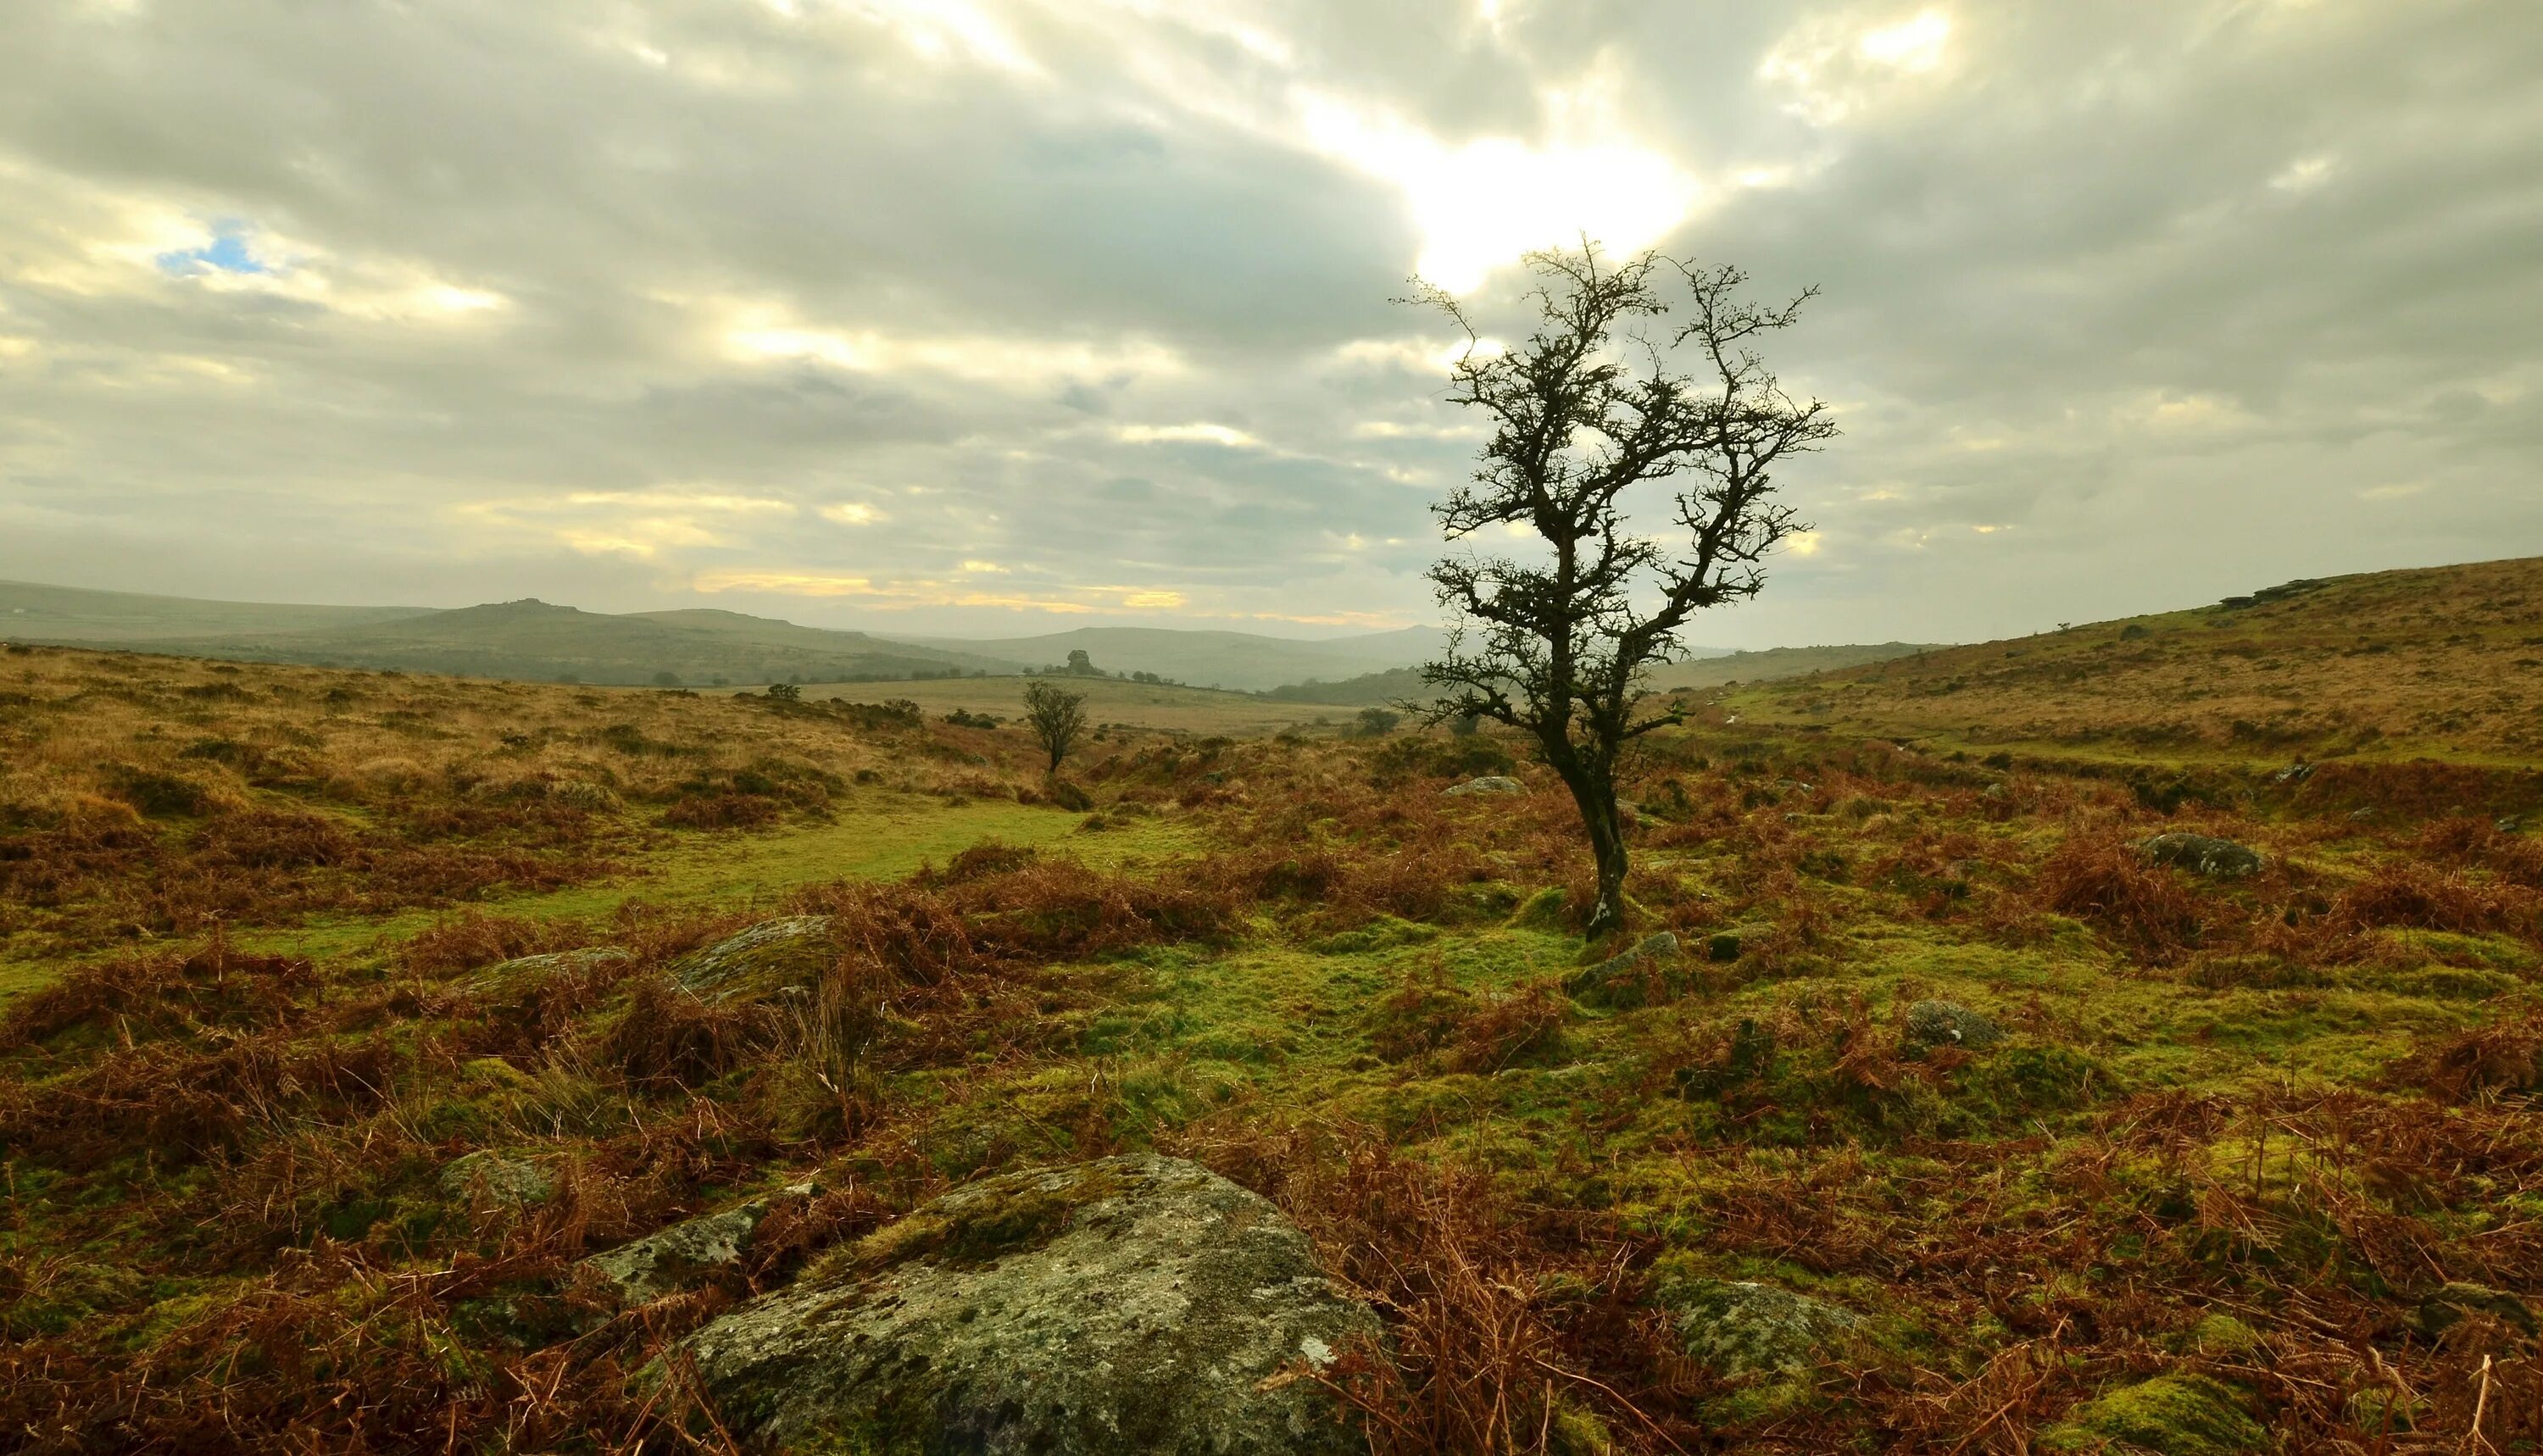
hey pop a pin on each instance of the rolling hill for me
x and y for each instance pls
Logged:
(65, 615)
(538, 641)
(2445, 661)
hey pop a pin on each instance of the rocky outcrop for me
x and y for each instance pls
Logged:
(768, 958)
(1128, 1304)
(1489, 784)
(2218, 859)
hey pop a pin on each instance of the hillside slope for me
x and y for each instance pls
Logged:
(2445, 661)
(31, 612)
(537, 640)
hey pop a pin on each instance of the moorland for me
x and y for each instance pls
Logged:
(2021, 1139)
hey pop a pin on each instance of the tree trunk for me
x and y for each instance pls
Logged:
(1596, 795)
(1607, 843)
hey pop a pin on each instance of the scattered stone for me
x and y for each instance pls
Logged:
(1127, 1304)
(2360, 816)
(2170, 1414)
(2218, 859)
(512, 1183)
(1744, 1330)
(2451, 1303)
(1488, 784)
(1949, 1023)
(686, 1255)
(2294, 773)
(1623, 981)
(528, 972)
(2508, 824)
(767, 959)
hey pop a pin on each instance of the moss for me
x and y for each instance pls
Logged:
(983, 1222)
(2169, 1416)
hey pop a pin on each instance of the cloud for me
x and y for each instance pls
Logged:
(818, 307)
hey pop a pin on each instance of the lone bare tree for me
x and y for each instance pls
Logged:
(1588, 408)
(1056, 716)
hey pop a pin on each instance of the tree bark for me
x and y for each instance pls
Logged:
(1594, 794)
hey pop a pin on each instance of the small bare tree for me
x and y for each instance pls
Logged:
(1587, 408)
(1056, 718)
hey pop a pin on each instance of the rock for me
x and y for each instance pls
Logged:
(2294, 773)
(1127, 1304)
(1623, 980)
(1742, 1331)
(512, 1183)
(685, 1255)
(1488, 784)
(2451, 1303)
(2170, 1414)
(767, 959)
(2508, 824)
(2219, 859)
(2360, 816)
(1723, 946)
(525, 974)
(1949, 1023)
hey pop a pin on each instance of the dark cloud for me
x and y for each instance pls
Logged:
(937, 315)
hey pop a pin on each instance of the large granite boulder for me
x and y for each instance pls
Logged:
(1488, 784)
(1127, 1304)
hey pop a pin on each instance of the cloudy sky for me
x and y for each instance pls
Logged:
(996, 316)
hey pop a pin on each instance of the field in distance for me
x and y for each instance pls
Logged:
(1108, 699)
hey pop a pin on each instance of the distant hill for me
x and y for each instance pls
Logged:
(1712, 667)
(2445, 661)
(76, 615)
(1244, 661)
(537, 641)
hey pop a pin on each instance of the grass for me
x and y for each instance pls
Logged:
(2440, 663)
(2237, 1140)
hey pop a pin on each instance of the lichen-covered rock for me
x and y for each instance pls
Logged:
(2169, 1416)
(524, 973)
(683, 1256)
(1745, 1331)
(1949, 1023)
(1127, 1304)
(764, 959)
(2218, 859)
(1643, 975)
(512, 1183)
(1488, 784)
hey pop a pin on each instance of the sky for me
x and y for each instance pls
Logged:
(990, 317)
